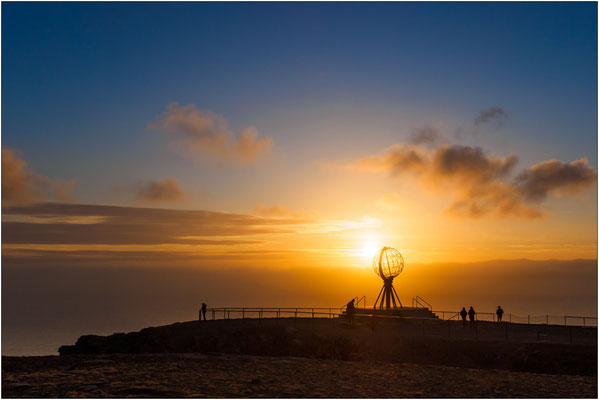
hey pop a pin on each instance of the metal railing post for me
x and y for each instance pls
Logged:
(529, 319)
(243, 313)
(570, 333)
(547, 319)
(296, 313)
(584, 322)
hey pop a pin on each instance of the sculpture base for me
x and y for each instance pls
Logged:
(406, 312)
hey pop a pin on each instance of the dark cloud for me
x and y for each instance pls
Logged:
(55, 223)
(427, 136)
(202, 132)
(470, 163)
(492, 115)
(480, 183)
(166, 190)
(20, 186)
(536, 182)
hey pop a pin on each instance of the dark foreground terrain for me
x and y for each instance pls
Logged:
(220, 375)
(313, 358)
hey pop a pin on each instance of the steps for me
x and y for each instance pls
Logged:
(407, 312)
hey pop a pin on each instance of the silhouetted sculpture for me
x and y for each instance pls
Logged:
(350, 309)
(204, 310)
(388, 264)
(463, 314)
(471, 314)
(499, 313)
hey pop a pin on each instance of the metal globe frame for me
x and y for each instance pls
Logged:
(387, 263)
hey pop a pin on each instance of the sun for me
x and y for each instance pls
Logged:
(370, 245)
(369, 249)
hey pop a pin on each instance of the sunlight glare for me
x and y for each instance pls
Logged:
(371, 243)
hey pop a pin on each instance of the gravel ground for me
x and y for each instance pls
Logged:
(220, 375)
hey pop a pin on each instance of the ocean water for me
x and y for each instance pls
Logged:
(46, 307)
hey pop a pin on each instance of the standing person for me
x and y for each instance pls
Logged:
(471, 314)
(351, 309)
(463, 314)
(204, 310)
(499, 313)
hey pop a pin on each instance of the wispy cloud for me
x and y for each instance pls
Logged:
(202, 132)
(127, 225)
(20, 186)
(278, 211)
(160, 191)
(427, 135)
(494, 116)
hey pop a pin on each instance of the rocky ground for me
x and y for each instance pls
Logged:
(402, 342)
(301, 358)
(226, 375)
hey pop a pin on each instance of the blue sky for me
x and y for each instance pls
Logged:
(81, 81)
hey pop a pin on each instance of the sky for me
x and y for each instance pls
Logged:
(275, 136)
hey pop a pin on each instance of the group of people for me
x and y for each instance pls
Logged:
(471, 314)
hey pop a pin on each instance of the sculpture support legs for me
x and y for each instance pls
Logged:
(389, 295)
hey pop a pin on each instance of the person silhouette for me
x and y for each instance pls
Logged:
(350, 309)
(471, 314)
(499, 313)
(463, 314)
(204, 310)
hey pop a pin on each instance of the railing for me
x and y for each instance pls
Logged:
(270, 312)
(547, 319)
(420, 302)
(361, 299)
(357, 301)
(444, 315)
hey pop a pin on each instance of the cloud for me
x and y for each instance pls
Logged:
(397, 159)
(492, 115)
(166, 190)
(481, 184)
(52, 223)
(20, 186)
(277, 211)
(427, 135)
(491, 198)
(202, 132)
(536, 182)
(469, 164)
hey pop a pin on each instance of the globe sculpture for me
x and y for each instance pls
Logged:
(387, 263)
